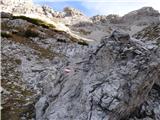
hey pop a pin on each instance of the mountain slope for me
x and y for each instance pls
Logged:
(67, 66)
(31, 47)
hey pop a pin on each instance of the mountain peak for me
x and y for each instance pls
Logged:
(69, 11)
(10, 2)
(149, 9)
(145, 11)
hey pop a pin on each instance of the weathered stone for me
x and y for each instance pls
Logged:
(104, 91)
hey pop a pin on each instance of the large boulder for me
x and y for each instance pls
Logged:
(109, 84)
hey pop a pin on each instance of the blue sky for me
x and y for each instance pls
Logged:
(102, 7)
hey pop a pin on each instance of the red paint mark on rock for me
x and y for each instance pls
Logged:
(67, 70)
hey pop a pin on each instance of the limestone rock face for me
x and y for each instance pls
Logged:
(114, 19)
(140, 17)
(72, 12)
(13, 5)
(145, 11)
(109, 84)
(69, 16)
(27, 7)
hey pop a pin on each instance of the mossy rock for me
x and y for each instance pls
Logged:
(35, 21)
(5, 15)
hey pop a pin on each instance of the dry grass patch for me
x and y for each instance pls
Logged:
(35, 21)
(15, 102)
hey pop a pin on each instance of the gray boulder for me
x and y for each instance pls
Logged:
(109, 84)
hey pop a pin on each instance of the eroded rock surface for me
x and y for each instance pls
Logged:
(109, 84)
(32, 57)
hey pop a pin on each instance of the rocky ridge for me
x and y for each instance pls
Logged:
(131, 23)
(22, 7)
(135, 17)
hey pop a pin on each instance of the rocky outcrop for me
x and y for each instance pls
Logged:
(141, 17)
(69, 16)
(72, 16)
(27, 7)
(113, 19)
(151, 36)
(143, 12)
(72, 12)
(109, 84)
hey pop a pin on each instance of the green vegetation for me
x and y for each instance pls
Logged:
(6, 34)
(4, 26)
(84, 32)
(18, 61)
(31, 33)
(35, 21)
(41, 52)
(18, 100)
(83, 43)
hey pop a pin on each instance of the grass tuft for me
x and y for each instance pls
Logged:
(31, 33)
(83, 43)
(35, 21)
(6, 34)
